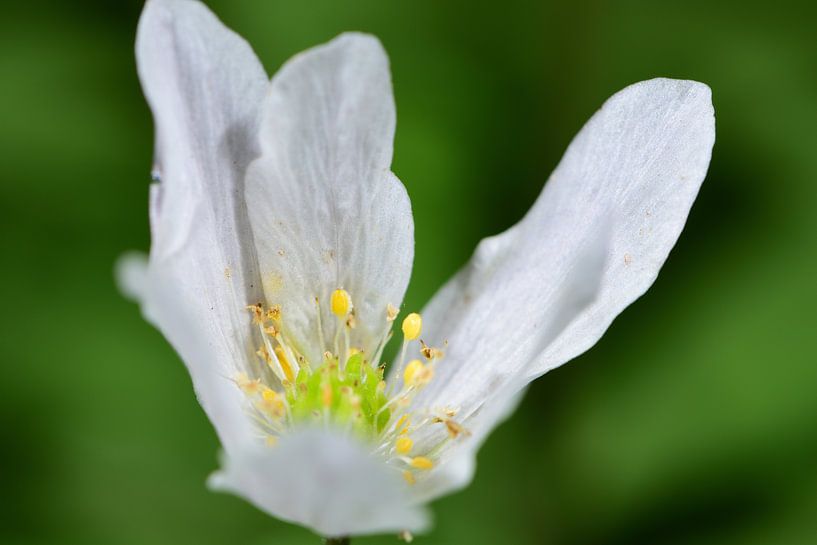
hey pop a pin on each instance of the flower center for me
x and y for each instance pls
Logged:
(347, 389)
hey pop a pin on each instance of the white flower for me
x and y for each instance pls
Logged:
(283, 244)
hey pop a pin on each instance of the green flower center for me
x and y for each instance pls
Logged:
(348, 393)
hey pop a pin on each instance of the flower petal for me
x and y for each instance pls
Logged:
(205, 87)
(545, 291)
(325, 481)
(326, 211)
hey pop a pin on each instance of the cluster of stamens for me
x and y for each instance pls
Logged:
(347, 390)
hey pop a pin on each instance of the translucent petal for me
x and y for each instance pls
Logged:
(205, 87)
(324, 481)
(326, 211)
(545, 291)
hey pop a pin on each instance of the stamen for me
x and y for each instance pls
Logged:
(341, 303)
(430, 353)
(320, 327)
(414, 367)
(274, 313)
(284, 363)
(346, 388)
(249, 387)
(403, 445)
(421, 462)
(412, 326)
(257, 313)
(272, 404)
(417, 374)
(454, 429)
(391, 312)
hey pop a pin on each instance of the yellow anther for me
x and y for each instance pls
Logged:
(454, 429)
(286, 367)
(274, 313)
(402, 420)
(412, 372)
(249, 387)
(431, 353)
(409, 477)
(269, 395)
(264, 354)
(353, 351)
(391, 312)
(272, 403)
(257, 313)
(271, 331)
(412, 326)
(421, 462)
(341, 303)
(272, 440)
(403, 445)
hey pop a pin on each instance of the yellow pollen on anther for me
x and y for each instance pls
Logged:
(409, 477)
(412, 326)
(272, 404)
(413, 370)
(418, 374)
(341, 303)
(274, 313)
(249, 387)
(454, 429)
(257, 313)
(402, 420)
(264, 354)
(391, 312)
(403, 445)
(430, 353)
(421, 462)
(285, 365)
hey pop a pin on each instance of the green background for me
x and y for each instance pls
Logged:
(692, 421)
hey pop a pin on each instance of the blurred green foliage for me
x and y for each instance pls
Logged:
(692, 421)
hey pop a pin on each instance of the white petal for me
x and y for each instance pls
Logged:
(529, 301)
(131, 273)
(205, 87)
(325, 208)
(324, 481)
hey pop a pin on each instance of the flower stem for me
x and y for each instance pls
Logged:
(337, 540)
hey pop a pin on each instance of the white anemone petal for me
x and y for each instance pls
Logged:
(205, 87)
(326, 210)
(326, 481)
(529, 301)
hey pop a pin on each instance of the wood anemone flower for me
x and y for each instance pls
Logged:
(282, 245)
